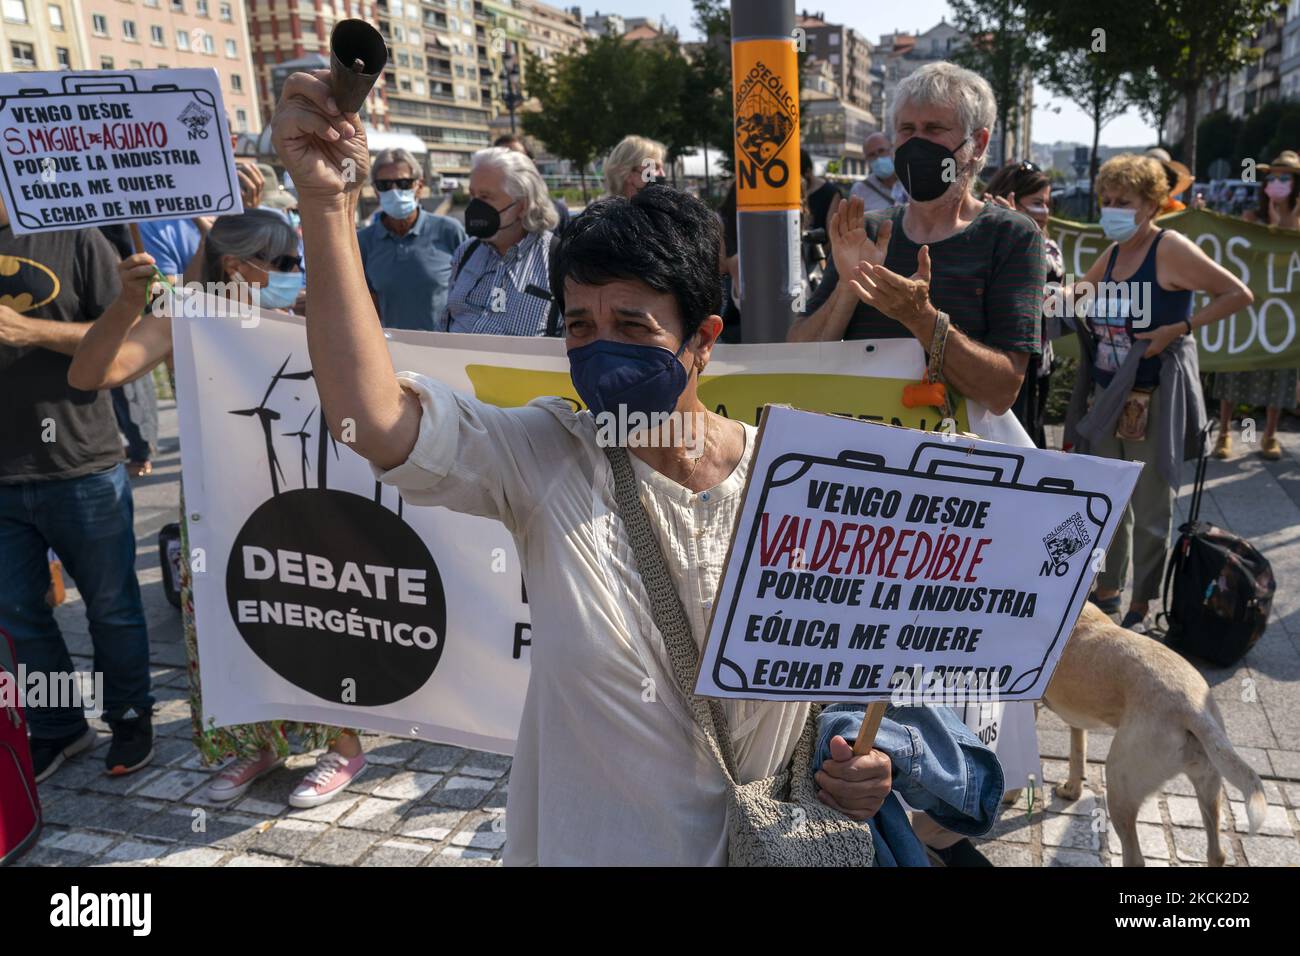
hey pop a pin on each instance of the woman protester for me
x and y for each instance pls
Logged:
(633, 164)
(602, 773)
(252, 259)
(1025, 188)
(1275, 389)
(1139, 372)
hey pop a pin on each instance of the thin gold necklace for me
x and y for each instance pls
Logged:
(703, 452)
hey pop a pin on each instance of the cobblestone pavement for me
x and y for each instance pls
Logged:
(424, 804)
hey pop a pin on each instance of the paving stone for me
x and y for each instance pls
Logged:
(120, 786)
(489, 834)
(261, 808)
(124, 815)
(135, 852)
(257, 859)
(339, 847)
(430, 823)
(374, 776)
(173, 785)
(375, 813)
(437, 758)
(287, 838)
(1013, 825)
(463, 854)
(80, 809)
(1069, 831)
(1276, 822)
(1151, 842)
(462, 792)
(1007, 854)
(326, 812)
(393, 751)
(408, 785)
(398, 853)
(1271, 851)
(1066, 856)
(191, 856)
(82, 841)
(1190, 844)
(486, 765)
(1086, 805)
(53, 856)
(1286, 763)
(1184, 811)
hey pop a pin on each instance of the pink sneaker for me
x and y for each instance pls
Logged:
(234, 779)
(332, 773)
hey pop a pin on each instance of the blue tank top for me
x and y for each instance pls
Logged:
(1118, 305)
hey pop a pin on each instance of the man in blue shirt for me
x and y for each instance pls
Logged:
(407, 252)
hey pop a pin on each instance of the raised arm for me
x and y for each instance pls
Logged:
(325, 153)
(123, 344)
(832, 307)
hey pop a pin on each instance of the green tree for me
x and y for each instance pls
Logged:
(1153, 96)
(1001, 48)
(1223, 133)
(1089, 80)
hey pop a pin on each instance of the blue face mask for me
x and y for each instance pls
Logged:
(398, 203)
(883, 167)
(1119, 225)
(280, 291)
(640, 378)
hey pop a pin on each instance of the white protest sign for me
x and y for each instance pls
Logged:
(873, 563)
(88, 149)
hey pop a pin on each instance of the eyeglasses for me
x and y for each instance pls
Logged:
(1279, 178)
(283, 263)
(383, 185)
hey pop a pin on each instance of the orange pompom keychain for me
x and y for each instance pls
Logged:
(925, 393)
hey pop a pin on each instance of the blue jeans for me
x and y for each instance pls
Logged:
(88, 523)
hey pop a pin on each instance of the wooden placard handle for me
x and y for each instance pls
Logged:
(136, 239)
(870, 724)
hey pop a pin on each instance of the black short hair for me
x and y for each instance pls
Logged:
(510, 139)
(665, 238)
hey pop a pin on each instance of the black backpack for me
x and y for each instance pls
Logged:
(1218, 587)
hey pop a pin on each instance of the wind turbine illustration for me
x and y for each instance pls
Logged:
(267, 415)
(302, 435)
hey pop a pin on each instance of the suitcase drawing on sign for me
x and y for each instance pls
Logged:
(938, 469)
(202, 116)
(20, 807)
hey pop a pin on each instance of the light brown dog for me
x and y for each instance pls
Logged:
(1165, 721)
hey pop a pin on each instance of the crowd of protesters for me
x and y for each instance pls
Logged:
(641, 285)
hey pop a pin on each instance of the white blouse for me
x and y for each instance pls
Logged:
(609, 767)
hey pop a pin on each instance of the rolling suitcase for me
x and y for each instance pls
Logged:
(20, 807)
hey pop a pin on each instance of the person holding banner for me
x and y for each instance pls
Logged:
(243, 258)
(1138, 394)
(1275, 389)
(610, 766)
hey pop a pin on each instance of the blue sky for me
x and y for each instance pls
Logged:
(875, 17)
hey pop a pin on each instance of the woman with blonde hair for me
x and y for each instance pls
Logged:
(1138, 394)
(633, 164)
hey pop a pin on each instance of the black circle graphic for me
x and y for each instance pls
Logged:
(327, 587)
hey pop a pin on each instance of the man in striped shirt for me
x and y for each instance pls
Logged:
(944, 252)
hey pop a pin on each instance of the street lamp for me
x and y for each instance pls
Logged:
(512, 96)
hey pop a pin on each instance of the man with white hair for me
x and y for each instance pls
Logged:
(963, 277)
(407, 251)
(881, 189)
(501, 282)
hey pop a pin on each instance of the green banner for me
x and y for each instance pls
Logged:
(1266, 258)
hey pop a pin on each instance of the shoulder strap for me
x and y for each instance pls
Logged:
(554, 326)
(667, 612)
(877, 190)
(464, 257)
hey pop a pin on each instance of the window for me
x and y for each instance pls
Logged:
(56, 17)
(99, 24)
(16, 10)
(241, 118)
(227, 15)
(128, 30)
(232, 49)
(156, 35)
(178, 6)
(835, 39)
(64, 57)
(24, 54)
(201, 8)
(182, 39)
(419, 87)
(403, 59)
(137, 64)
(151, 3)
(106, 63)
(209, 44)
(405, 84)
(237, 83)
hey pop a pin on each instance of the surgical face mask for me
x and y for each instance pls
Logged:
(398, 203)
(638, 378)
(1119, 225)
(1279, 188)
(280, 291)
(483, 220)
(883, 167)
(926, 169)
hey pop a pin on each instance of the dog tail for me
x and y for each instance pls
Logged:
(1205, 727)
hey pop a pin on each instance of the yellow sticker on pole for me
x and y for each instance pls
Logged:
(765, 77)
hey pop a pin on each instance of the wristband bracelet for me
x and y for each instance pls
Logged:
(1189, 326)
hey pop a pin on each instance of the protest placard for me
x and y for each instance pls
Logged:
(874, 563)
(88, 149)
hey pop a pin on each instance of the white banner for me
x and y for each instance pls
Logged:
(88, 149)
(321, 596)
